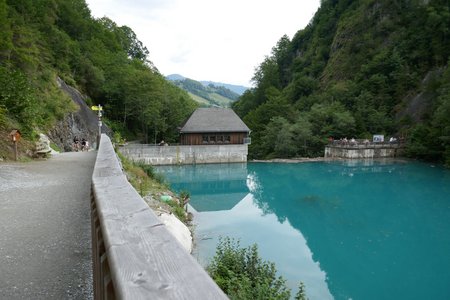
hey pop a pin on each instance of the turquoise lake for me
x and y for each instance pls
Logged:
(348, 230)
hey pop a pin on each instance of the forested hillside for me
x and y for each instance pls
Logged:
(41, 40)
(359, 68)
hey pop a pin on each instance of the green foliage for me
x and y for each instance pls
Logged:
(179, 206)
(145, 180)
(138, 176)
(184, 195)
(278, 137)
(301, 294)
(440, 121)
(6, 33)
(150, 171)
(351, 73)
(416, 142)
(242, 274)
(55, 147)
(431, 139)
(178, 210)
(2, 115)
(117, 138)
(40, 40)
(18, 99)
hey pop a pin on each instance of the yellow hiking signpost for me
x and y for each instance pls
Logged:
(95, 107)
(98, 108)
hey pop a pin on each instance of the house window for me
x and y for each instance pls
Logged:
(205, 139)
(219, 139)
(212, 139)
(227, 139)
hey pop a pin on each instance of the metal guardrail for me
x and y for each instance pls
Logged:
(134, 255)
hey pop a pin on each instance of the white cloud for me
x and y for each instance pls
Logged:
(209, 39)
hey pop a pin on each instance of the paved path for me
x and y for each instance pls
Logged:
(45, 233)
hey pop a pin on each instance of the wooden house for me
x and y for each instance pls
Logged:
(214, 126)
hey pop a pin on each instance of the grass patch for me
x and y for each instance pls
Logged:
(55, 147)
(146, 181)
(143, 177)
(178, 210)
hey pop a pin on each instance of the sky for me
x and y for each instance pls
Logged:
(216, 40)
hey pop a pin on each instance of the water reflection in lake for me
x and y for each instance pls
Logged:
(360, 230)
(224, 204)
(212, 187)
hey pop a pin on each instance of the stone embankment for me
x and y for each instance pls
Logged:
(364, 150)
(295, 160)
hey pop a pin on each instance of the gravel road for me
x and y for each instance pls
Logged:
(45, 239)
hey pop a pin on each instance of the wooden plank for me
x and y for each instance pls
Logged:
(145, 260)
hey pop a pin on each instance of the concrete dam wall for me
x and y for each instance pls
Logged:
(185, 154)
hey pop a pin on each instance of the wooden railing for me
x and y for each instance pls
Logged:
(134, 255)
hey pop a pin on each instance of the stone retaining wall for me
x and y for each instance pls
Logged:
(362, 152)
(172, 155)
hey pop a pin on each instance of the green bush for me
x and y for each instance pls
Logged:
(2, 114)
(242, 274)
(178, 210)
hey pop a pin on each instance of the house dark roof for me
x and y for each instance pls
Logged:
(214, 120)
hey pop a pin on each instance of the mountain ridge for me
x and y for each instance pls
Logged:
(206, 93)
(238, 89)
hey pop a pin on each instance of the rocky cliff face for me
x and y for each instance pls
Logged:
(82, 124)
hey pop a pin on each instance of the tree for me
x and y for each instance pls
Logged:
(17, 98)
(6, 33)
(278, 138)
(331, 119)
(352, 70)
(301, 294)
(257, 120)
(41, 40)
(303, 137)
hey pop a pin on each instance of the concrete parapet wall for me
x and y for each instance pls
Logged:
(185, 154)
(359, 152)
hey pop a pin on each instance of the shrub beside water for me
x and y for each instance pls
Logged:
(150, 171)
(147, 181)
(242, 274)
(143, 177)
